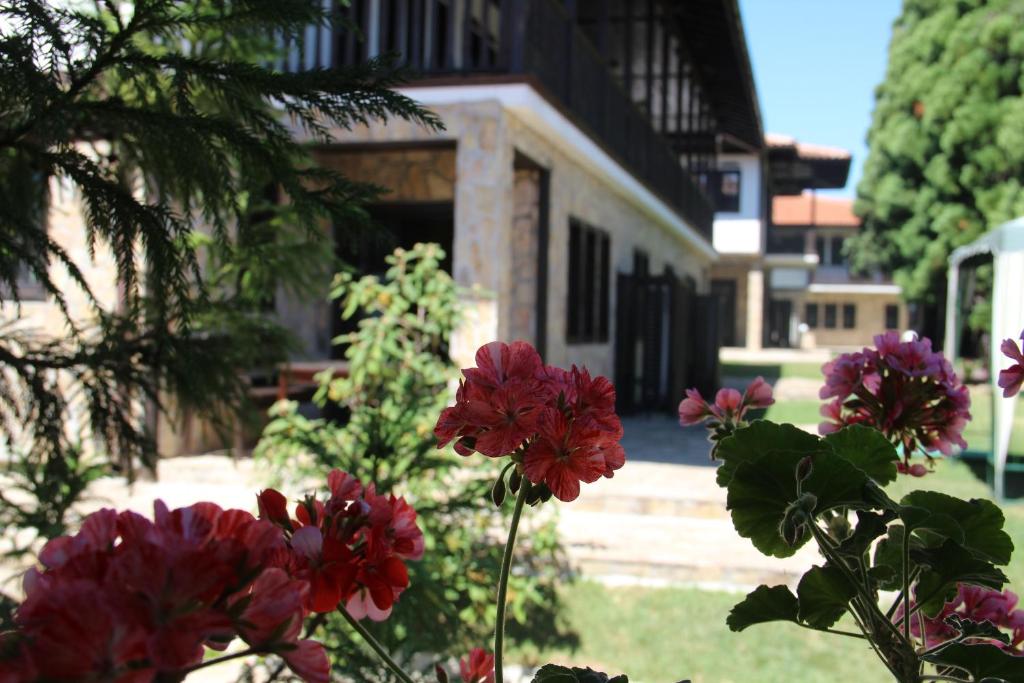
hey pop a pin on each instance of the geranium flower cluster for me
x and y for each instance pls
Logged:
(726, 414)
(1011, 378)
(559, 426)
(131, 600)
(903, 389)
(977, 604)
(350, 549)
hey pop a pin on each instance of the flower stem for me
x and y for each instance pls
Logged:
(375, 646)
(506, 566)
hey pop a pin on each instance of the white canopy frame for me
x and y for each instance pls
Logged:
(1006, 245)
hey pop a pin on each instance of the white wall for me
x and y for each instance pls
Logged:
(742, 232)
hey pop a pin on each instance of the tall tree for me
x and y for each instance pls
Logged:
(946, 144)
(173, 127)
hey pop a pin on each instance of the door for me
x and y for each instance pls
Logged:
(780, 311)
(725, 292)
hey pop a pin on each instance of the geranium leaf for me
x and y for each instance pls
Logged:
(553, 673)
(870, 525)
(980, 520)
(982, 661)
(948, 565)
(823, 594)
(761, 490)
(868, 450)
(760, 438)
(764, 604)
(976, 629)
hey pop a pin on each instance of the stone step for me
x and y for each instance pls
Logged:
(672, 549)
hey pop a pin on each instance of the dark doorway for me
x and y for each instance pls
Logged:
(392, 226)
(780, 311)
(725, 293)
(666, 339)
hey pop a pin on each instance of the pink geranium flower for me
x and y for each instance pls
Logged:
(903, 389)
(1011, 378)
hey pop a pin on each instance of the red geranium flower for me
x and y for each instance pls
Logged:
(478, 667)
(565, 453)
(328, 566)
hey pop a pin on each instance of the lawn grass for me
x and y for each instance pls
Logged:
(662, 635)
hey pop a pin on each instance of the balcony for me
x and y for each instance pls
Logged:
(554, 47)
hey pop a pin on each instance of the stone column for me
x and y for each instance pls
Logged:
(755, 307)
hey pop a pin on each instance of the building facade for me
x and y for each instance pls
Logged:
(569, 184)
(783, 278)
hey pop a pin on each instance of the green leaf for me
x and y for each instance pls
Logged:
(824, 593)
(982, 661)
(889, 554)
(868, 450)
(870, 525)
(980, 520)
(948, 565)
(553, 673)
(764, 604)
(760, 438)
(760, 491)
(976, 629)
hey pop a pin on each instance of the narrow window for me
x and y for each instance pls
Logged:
(849, 316)
(830, 316)
(892, 317)
(589, 283)
(811, 315)
(728, 199)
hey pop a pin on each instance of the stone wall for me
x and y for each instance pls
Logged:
(524, 237)
(575, 192)
(408, 174)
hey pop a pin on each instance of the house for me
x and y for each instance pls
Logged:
(783, 279)
(569, 186)
(815, 301)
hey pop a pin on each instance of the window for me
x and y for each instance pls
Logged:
(849, 316)
(830, 316)
(811, 315)
(838, 257)
(727, 193)
(821, 248)
(589, 283)
(892, 317)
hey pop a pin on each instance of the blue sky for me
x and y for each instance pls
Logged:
(816, 63)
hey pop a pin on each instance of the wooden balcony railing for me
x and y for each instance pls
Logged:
(538, 40)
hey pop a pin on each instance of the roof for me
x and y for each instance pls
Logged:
(713, 33)
(805, 150)
(795, 166)
(811, 210)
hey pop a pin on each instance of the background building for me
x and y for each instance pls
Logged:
(782, 264)
(569, 186)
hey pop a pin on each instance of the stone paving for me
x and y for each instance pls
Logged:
(662, 519)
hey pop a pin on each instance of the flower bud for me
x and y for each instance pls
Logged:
(804, 469)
